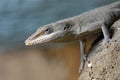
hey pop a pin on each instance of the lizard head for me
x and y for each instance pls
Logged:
(55, 32)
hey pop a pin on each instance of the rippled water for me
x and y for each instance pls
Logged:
(20, 18)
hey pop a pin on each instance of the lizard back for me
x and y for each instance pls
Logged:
(109, 14)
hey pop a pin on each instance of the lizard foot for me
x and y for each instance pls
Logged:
(82, 62)
(105, 41)
(104, 44)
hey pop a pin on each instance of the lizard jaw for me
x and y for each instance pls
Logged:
(43, 39)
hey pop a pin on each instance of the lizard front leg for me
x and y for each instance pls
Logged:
(105, 33)
(99, 25)
(92, 27)
(83, 55)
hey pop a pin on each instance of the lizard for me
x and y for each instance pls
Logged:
(79, 28)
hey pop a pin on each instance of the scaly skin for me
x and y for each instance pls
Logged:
(78, 28)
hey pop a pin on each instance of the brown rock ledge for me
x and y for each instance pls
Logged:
(104, 60)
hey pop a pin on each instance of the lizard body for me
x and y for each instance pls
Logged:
(83, 26)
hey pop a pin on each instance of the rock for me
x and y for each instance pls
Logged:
(103, 62)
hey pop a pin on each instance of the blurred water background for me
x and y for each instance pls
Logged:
(19, 19)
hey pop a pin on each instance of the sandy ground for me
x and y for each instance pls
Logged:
(41, 64)
(46, 63)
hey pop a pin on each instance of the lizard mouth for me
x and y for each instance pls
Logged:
(33, 40)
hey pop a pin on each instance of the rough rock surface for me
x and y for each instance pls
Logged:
(103, 62)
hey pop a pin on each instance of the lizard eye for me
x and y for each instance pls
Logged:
(48, 31)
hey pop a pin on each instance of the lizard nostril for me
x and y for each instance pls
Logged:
(65, 28)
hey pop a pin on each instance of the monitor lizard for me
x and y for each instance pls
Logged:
(79, 28)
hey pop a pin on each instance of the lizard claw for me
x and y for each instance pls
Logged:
(105, 41)
(104, 44)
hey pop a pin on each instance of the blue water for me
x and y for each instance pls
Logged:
(20, 18)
